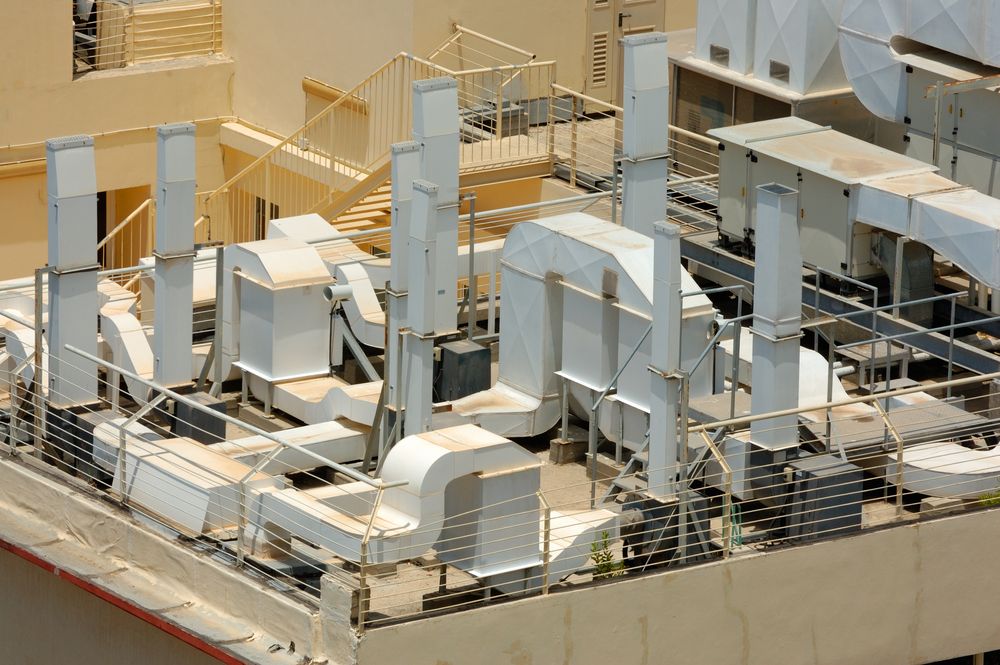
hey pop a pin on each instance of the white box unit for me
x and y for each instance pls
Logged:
(283, 320)
(826, 167)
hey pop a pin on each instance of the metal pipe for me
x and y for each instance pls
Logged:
(847, 402)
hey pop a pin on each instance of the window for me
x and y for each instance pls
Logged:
(719, 55)
(779, 71)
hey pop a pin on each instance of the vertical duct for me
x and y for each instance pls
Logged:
(435, 128)
(174, 254)
(424, 256)
(405, 167)
(645, 128)
(72, 193)
(665, 360)
(777, 319)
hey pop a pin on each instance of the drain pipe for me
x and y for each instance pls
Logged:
(645, 131)
(174, 254)
(665, 360)
(777, 320)
(72, 250)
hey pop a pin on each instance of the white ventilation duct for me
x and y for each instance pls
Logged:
(72, 253)
(174, 254)
(557, 273)
(777, 317)
(877, 71)
(645, 131)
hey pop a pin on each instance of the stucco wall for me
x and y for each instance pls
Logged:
(910, 594)
(44, 619)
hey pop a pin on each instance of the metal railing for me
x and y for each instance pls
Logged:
(718, 525)
(342, 154)
(131, 239)
(715, 522)
(119, 33)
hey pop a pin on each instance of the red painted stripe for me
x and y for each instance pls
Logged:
(119, 602)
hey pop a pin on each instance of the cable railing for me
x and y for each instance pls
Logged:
(120, 33)
(897, 446)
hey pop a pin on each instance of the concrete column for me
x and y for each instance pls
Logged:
(424, 255)
(72, 194)
(174, 254)
(646, 100)
(435, 128)
(405, 167)
(777, 320)
(665, 359)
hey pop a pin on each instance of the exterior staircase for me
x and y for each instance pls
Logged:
(337, 164)
(372, 211)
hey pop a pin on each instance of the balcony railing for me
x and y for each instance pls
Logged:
(119, 33)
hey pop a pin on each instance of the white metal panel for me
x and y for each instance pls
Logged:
(802, 36)
(729, 25)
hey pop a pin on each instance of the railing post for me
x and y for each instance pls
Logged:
(241, 522)
(131, 20)
(546, 541)
(12, 436)
(473, 311)
(38, 379)
(215, 26)
(551, 138)
(951, 343)
(572, 144)
(363, 591)
(499, 114)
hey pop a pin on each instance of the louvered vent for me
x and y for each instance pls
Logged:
(599, 66)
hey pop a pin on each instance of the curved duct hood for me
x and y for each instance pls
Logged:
(879, 39)
(578, 297)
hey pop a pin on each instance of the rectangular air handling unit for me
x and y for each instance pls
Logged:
(825, 166)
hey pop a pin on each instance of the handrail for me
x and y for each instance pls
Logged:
(125, 222)
(270, 436)
(349, 95)
(495, 42)
(865, 399)
(586, 98)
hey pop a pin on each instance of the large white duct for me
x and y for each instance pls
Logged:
(578, 293)
(957, 222)
(878, 72)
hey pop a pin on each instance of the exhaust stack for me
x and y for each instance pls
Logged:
(777, 321)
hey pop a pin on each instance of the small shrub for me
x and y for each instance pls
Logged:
(990, 499)
(605, 565)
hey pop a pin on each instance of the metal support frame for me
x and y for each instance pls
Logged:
(891, 429)
(122, 439)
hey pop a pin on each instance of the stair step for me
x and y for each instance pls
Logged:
(630, 483)
(642, 457)
(353, 226)
(365, 206)
(371, 216)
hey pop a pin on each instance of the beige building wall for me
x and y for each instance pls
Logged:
(41, 100)
(44, 619)
(903, 595)
(341, 42)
